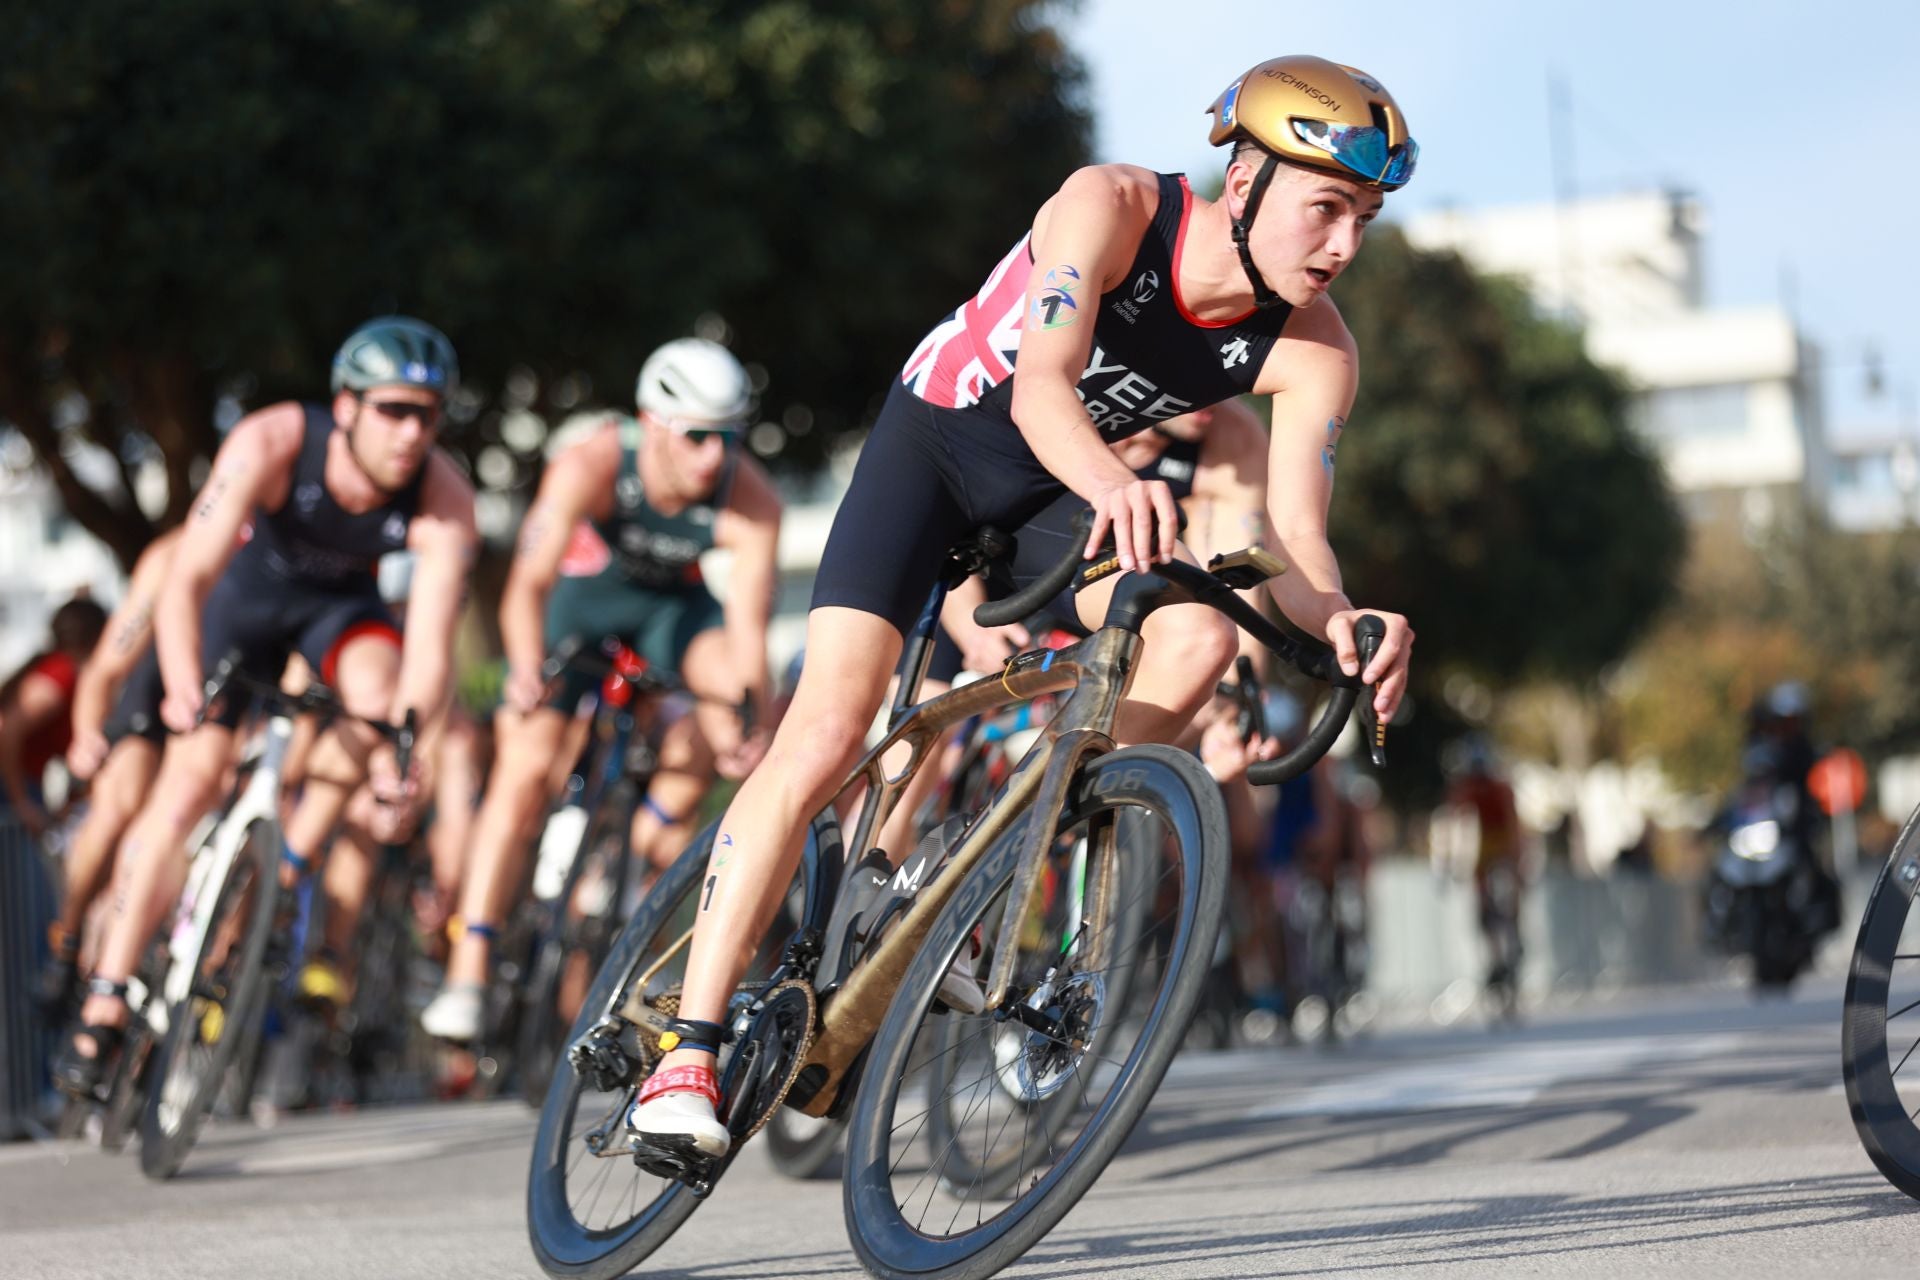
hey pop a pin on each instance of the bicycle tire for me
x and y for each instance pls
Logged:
(543, 1026)
(1886, 960)
(1172, 786)
(183, 1084)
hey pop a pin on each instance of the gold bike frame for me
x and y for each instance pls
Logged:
(1099, 670)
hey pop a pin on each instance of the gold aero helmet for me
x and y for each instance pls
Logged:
(1319, 115)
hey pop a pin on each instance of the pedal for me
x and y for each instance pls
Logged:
(676, 1158)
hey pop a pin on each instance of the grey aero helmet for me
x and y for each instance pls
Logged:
(692, 378)
(393, 350)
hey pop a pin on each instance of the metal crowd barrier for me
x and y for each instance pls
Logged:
(26, 906)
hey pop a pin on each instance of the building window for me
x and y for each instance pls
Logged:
(1716, 409)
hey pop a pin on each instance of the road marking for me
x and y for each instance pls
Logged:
(1497, 1077)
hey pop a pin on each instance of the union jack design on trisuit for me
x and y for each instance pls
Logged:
(972, 350)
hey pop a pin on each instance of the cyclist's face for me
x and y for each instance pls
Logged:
(1308, 229)
(695, 452)
(391, 429)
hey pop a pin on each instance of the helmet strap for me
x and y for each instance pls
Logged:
(1263, 297)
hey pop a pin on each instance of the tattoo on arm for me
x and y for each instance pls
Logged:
(210, 499)
(1056, 306)
(1334, 426)
(128, 634)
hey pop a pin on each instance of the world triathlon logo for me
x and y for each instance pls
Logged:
(1145, 286)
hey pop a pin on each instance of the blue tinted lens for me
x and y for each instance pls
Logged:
(1361, 148)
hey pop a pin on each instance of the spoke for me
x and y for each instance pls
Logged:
(1905, 1056)
(1907, 1009)
(600, 1185)
(940, 1161)
(932, 1101)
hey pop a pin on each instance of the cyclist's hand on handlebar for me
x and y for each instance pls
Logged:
(1226, 754)
(182, 714)
(398, 799)
(1387, 673)
(1144, 520)
(986, 649)
(87, 752)
(525, 689)
(739, 759)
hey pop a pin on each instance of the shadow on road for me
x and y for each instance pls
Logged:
(1578, 1118)
(1483, 1229)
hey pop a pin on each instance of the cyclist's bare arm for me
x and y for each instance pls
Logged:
(578, 484)
(1084, 238)
(251, 472)
(1227, 509)
(1312, 373)
(128, 632)
(443, 540)
(749, 526)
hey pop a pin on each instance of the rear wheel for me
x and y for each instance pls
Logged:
(1039, 1116)
(592, 1212)
(206, 1027)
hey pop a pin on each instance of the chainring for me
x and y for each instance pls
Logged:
(767, 1058)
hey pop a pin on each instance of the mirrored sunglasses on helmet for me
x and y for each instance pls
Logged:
(1363, 149)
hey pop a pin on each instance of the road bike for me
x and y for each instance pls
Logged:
(229, 921)
(1033, 1096)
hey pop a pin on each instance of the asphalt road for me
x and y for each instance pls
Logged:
(1687, 1133)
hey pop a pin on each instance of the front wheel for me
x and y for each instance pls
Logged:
(1034, 1104)
(206, 1026)
(1880, 1030)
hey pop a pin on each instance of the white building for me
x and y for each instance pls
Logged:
(1726, 394)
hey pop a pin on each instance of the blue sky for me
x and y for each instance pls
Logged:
(1796, 124)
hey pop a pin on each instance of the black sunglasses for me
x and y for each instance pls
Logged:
(401, 410)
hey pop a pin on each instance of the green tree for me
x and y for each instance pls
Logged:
(1491, 488)
(201, 198)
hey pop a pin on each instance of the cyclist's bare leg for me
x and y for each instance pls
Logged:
(850, 656)
(517, 791)
(348, 876)
(154, 855)
(365, 672)
(1188, 648)
(679, 782)
(113, 802)
(457, 786)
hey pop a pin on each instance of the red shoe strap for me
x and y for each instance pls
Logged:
(682, 1080)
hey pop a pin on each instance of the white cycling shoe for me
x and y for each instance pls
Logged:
(675, 1113)
(960, 988)
(454, 1014)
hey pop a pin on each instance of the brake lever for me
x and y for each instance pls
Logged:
(1368, 633)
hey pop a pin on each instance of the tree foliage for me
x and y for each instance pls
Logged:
(1491, 488)
(203, 197)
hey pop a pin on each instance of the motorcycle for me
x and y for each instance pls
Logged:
(1767, 897)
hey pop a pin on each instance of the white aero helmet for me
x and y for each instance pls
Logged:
(695, 379)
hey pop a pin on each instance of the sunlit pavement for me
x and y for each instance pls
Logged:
(1692, 1132)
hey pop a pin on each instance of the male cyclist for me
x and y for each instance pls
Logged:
(1131, 301)
(117, 737)
(611, 547)
(329, 489)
